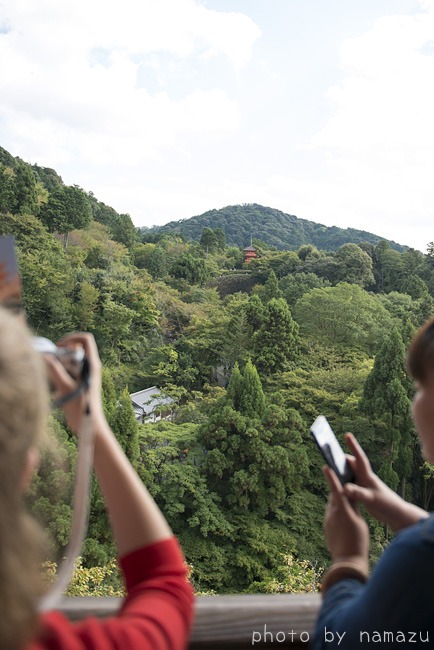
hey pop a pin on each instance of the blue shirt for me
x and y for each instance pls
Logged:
(394, 609)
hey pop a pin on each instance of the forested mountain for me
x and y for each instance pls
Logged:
(251, 354)
(273, 227)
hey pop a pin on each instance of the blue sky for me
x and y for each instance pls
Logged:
(167, 108)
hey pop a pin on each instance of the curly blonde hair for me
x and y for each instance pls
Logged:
(23, 417)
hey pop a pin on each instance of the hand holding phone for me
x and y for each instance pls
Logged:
(331, 449)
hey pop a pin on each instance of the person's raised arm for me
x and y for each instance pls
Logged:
(379, 500)
(135, 518)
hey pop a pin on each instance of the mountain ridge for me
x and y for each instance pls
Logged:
(272, 226)
(239, 222)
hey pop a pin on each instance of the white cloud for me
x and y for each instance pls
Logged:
(386, 99)
(147, 104)
(69, 78)
(378, 143)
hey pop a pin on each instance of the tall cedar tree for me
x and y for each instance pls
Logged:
(271, 288)
(276, 342)
(386, 401)
(252, 398)
(126, 427)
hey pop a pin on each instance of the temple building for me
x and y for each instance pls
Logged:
(249, 253)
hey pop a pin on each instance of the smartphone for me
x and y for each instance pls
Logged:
(331, 449)
(10, 283)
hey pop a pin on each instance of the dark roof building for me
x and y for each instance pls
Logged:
(151, 404)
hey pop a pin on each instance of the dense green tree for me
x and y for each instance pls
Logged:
(283, 263)
(415, 287)
(270, 289)
(47, 276)
(295, 286)
(245, 391)
(386, 400)
(189, 268)
(67, 208)
(344, 316)
(152, 258)
(307, 249)
(25, 190)
(237, 341)
(49, 496)
(252, 398)
(124, 231)
(244, 466)
(387, 267)
(126, 428)
(221, 238)
(255, 313)
(324, 265)
(208, 240)
(354, 265)
(276, 342)
(7, 196)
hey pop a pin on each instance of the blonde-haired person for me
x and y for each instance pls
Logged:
(157, 612)
(394, 607)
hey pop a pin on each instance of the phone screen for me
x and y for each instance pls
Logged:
(10, 283)
(331, 449)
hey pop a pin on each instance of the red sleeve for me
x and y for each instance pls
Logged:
(156, 614)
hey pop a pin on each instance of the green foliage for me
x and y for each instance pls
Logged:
(386, 398)
(342, 316)
(292, 576)
(276, 341)
(98, 582)
(275, 228)
(126, 428)
(354, 265)
(189, 268)
(49, 496)
(236, 473)
(208, 240)
(245, 391)
(67, 208)
(270, 289)
(19, 191)
(295, 286)
(233, 282)
(47, 277)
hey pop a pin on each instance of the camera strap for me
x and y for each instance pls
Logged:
(61, 401)
(80, 512)
(81, 388)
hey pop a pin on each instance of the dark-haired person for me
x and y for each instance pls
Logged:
(394, 606)
(157, 611)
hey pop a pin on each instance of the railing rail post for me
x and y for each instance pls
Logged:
(230, 622)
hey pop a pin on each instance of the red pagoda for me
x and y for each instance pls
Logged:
(249, 253)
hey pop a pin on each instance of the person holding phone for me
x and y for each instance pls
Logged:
(157, 612)
(393, 606)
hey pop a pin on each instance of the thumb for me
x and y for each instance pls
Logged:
(356, 492)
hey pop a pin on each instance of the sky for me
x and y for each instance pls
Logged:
(165, 109)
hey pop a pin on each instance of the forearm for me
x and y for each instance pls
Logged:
(135, 518)
(401, 513)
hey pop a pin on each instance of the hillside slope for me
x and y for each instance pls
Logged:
(274, 227)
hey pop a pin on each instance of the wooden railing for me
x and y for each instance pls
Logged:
(230, 622)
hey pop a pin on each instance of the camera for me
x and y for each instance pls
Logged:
(72, 359)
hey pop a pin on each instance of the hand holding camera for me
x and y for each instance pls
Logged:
(74, 370)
